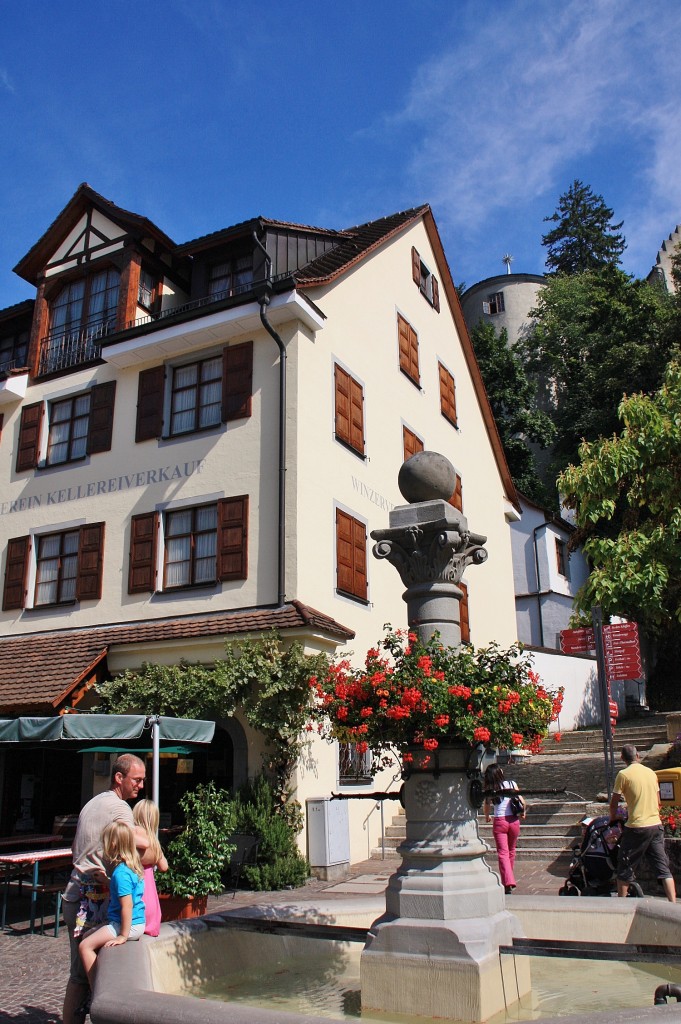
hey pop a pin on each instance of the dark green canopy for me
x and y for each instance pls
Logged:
(82, 728)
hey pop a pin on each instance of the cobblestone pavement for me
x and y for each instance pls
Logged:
(33, 968)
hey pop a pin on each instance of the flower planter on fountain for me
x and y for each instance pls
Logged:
(437, 706)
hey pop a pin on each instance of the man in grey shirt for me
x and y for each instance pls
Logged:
(87, 888)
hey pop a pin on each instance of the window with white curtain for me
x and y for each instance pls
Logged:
(56, 568)
(354, 767)
(88, 304)
(231, 277)
(196, 396)
(190, 556)
(69, 421)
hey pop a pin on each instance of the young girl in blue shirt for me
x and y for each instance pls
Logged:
(126, 905)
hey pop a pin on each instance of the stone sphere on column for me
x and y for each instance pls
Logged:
(426, 476)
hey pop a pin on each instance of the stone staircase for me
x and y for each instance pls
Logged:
(644, 732)
(553, 823)
(548, 833)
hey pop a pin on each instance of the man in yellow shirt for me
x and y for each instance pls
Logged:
(643, 834)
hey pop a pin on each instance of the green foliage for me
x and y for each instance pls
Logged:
(197, 858)
(594, 334)
(626, 491)
(584, 237)
(262, 678)
(259, 812)
(512, 396)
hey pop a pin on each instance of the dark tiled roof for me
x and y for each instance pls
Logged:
(354, 244)
(245, 227)
(38, 671)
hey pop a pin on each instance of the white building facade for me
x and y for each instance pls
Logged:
(158, 497)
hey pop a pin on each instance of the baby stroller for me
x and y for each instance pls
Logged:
(594, 863)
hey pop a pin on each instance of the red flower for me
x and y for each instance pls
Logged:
(557, 737)
(441, 721)
(430, 744)
(366, 712)
(482, 734)
(342, 713)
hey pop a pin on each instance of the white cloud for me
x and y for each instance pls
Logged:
(500, 115)
(5, 81)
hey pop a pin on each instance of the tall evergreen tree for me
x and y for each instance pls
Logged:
(511, 395)
(584, 237)
(597, 336)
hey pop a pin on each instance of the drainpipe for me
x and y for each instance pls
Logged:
(264, 301)
(542, 526)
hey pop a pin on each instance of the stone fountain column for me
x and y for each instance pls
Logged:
(435, 951)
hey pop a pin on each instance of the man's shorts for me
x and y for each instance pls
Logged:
(77, 973)
(638, 843)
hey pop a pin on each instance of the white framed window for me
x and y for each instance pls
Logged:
(69, 420)
(195, 396)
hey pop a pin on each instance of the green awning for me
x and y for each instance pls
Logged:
(174, 749)
(83, 727)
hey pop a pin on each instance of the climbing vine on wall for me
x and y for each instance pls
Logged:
(264, 679)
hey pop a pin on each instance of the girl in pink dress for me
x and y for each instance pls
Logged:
(145, 813)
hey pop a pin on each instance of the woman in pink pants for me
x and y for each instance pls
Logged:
(506, 823)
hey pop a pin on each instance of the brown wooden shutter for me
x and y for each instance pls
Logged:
(16, 571)
(29, 436)
(412, 443)
(447, 395)
(349, 410)
(436, 295)
(415, 266)
(409, 350)
(233, 538)
(150, 404)
(457, 498)
(90, 562)
(237, 381)
(143, 541)
(351, 555)
(100, 425)
(463, 612)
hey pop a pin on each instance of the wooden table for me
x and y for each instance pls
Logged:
(35, 859)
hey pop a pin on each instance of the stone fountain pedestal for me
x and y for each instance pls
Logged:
(435, 951)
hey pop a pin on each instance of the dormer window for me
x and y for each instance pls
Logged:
(86, 306)
(230, 277)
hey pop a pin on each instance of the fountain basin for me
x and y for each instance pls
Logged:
(142, 982)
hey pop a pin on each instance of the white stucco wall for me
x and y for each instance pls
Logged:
(537, 580)
(361, 334)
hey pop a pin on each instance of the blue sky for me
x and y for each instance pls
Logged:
(201, 113)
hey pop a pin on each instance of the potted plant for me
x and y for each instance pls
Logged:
(197, 857)
(412, 700)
